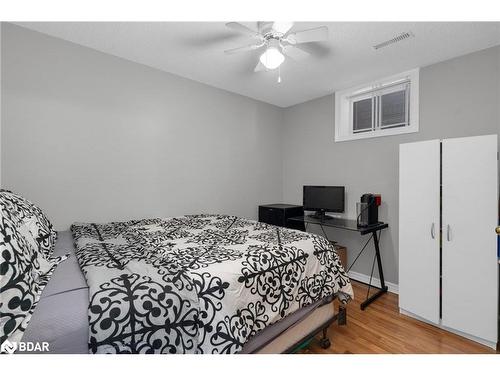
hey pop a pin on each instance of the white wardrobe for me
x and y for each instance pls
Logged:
(448, 212)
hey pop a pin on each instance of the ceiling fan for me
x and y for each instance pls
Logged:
(277, 41)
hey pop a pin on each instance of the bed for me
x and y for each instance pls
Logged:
(233, 286)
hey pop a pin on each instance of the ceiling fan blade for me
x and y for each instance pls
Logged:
(263, 26)
(241, 28)
(259, 67)
(295, 53)
(248, 48)
(282, 27)
(317, 34)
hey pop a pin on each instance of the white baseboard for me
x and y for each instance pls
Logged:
(393, 288)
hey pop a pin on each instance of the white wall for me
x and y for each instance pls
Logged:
(458, 97)
(92, 137)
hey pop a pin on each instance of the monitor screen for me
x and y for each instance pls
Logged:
(324, 198)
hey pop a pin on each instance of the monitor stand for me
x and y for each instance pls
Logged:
(321, 215)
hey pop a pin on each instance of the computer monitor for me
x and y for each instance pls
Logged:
(324, 199)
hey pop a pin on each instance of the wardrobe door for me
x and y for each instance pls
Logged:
(470, 215)
(419, 229)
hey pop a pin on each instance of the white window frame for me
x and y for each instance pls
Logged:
(344, 103)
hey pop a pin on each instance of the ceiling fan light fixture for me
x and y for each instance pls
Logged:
(278, 42)
(272, 58)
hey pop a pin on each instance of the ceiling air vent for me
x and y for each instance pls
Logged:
(396, 39)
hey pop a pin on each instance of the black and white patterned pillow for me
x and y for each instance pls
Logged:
(24, 270)
(42, 228)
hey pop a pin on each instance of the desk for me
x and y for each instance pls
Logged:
(352, 225)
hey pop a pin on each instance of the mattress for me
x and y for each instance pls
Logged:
(61, 317)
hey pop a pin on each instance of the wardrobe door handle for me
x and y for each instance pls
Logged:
(448, 232)
(433, 233)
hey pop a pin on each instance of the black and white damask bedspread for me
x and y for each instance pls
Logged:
(198, 283)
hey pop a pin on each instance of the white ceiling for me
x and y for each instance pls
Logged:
(195, 50)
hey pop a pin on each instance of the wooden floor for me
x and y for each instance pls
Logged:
(382, 329)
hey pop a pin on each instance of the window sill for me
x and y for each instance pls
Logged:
(381, 133)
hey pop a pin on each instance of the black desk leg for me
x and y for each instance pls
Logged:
(383, 287)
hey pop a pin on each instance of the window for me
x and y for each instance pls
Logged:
(363, 115)
(385, 107)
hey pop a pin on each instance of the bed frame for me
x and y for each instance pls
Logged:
(306, 329)
(325, 343)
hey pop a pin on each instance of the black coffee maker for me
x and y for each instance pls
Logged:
(368, 214)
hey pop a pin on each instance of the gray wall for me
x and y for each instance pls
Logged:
(458, 97)
(92, 137)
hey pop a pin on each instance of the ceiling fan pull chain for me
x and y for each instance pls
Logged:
(279, 74)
